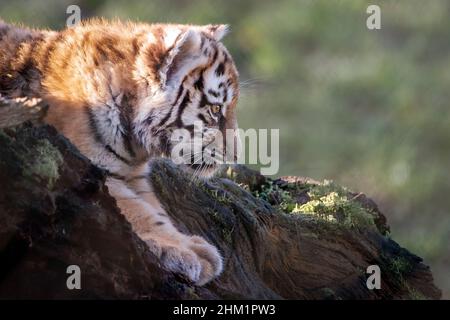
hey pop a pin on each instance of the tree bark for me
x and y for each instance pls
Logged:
(16, 111)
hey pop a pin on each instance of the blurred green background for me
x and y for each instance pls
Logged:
(368, 109)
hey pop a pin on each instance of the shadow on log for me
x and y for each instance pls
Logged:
(288, 238)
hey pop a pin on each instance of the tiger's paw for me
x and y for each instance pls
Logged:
(193, 257)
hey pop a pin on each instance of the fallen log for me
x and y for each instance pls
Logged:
(290, 238)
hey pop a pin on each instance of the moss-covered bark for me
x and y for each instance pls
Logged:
(289, 238)
(55, 211)
(272, 251)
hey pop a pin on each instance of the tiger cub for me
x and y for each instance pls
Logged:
(117, 91)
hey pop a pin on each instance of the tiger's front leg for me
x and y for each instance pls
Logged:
(191, 256)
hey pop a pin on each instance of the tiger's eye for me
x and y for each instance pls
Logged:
(215, 109)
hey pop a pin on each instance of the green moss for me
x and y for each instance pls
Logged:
(228, 235)
(414, 294)
(225, 229)
(327, 201)
(38, 159)
(399, 266)
(336, 208)
(274, 195)
(216, 194)
(43, 161)
(324, 188)
(324, 207)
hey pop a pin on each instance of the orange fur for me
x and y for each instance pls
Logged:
(117, 90)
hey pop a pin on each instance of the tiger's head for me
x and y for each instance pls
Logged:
(190, 91)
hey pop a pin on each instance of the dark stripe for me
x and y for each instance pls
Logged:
(36, 41)
(142, 192)
(27, 73)
(118, 156)
(216, 54)
(175, 42)
(111, 45)
(222, 123)
(225, 57)
(93, 125)
(181, 108)
(165, 53)
(202, 43)
(204, 101)
(99, 138)
(213, 93)
(127, 142)
(166, 118)
(191, 129)
(202, 118)
(115, 175)
(50, 49)
(164, 144)
(28, 70)
(225, 95)
(199, 83)
(125, 123)
(137, 178)
(220, 70)
(148, 121)
(180, 91)
(135, 45)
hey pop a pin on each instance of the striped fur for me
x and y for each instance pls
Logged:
(117, 91)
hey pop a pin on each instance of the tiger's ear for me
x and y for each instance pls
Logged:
(174, 51)
(216, 31)
(180, 55)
